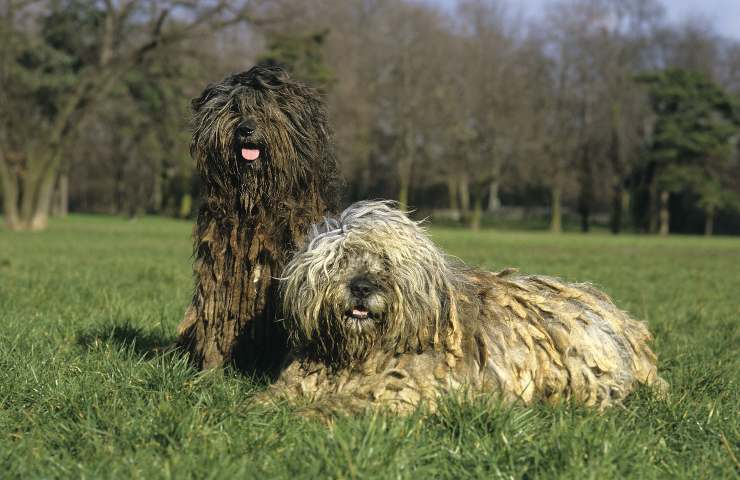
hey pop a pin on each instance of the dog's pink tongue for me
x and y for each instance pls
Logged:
(250, 154)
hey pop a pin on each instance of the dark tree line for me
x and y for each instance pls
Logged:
(600, 110)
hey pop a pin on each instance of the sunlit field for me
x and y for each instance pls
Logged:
(87, 388)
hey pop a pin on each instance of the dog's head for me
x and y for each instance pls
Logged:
(260, 132)
(368, 279)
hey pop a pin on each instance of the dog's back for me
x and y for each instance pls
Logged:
(546, 339)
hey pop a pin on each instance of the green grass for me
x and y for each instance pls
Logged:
(86, 306)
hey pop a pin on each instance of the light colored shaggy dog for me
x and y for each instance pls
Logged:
(378, 315)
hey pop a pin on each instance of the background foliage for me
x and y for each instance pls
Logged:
(596, 112)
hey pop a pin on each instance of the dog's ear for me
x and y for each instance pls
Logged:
(197, 103)
(272, 79)
(266, 75)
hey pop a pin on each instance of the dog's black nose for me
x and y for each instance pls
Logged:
(247, 127)
(361, 287)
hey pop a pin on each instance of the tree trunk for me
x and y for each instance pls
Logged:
(60, 204)
(615, 219)
(625, 200)
(555, 214)
(475, 217)
(118, 206)
(10, 195)
(405, 167)
(584, 210)
(40, 216)
(41, 171)
(616, 154)
(37, 194)
(464, 195)
(664, 214)
(64, 195)
(586, 193)
(494, 203)
(403, 192)
(709, 221)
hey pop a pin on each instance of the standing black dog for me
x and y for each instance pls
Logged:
(264, 151)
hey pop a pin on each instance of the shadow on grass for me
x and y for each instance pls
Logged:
(135, 340)
(128, 336)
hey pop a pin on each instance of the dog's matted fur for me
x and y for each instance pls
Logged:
(379, 315)
(264, 153)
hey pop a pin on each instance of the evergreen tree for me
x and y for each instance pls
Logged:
(692, 147)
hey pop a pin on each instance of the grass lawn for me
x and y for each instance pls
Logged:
(85, 305)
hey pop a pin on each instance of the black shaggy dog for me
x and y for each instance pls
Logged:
(264, 153)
